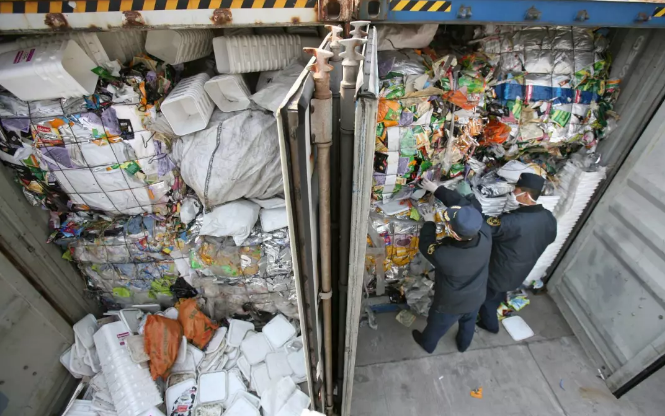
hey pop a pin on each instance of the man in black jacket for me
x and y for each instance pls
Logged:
(461, 266)
(518, 240)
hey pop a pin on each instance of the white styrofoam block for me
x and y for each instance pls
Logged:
(278, 365)
(213, 387)
(255, 348)
(517, 328)
(260, 378)
(235, 386)
(237, 331)
(85, 329)
(278, 331)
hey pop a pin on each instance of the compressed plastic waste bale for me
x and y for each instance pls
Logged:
(162, 341)
(198, 328)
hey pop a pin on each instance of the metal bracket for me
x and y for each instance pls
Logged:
(582, 16)
(325, 295)
(532, 14)
(464, 12)
(642, 17)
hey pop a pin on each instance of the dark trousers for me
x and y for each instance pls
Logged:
(438, 323)
(488, 317)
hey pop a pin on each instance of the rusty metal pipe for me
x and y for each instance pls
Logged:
(321, 121)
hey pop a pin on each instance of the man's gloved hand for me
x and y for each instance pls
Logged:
(428, 185)
(427, 212)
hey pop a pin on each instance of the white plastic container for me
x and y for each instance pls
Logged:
(53, 70)
(178, 46)
(228, 92)
(188, 108)
(242, 54)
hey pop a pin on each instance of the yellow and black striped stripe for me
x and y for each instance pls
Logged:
(420, 6)
(91, 6)
(659, 12)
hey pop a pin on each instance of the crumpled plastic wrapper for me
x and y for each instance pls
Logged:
(418, 292)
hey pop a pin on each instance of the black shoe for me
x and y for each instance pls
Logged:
(460, 347)
(481, 325)
(418, 337)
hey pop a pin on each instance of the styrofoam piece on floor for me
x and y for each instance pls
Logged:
(65, 360)
(85, 329)
(228, 92)
(48, 71)
(188, 108)
(132, 318)
(233, 353)
(149, 307)
(175, 378)
(235, 386)
(210, 362)
(98, 382)
(216, 341)
(171, 313)
(231, 363)
(278, 365)
(131, 387)
(237, 331)
(178, 46)
(276, 395)
(136, 346)
(294, 406)
(209, 409)
(242, 407)
(517, 328)
(260, 378)
(278, 331)
(296, 357)
(152, 412)
(81, 408)
(245, 367)
(77, 364)
(182, 351)
(213, 387)
(255, 401)
(255, 348)
(242, 54)
(175, 391)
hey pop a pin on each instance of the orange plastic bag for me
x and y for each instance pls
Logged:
(495, 132)
(389, 112)
(460, 99)
(198, 327)
(162, 340)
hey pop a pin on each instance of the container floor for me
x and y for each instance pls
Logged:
(548, 374)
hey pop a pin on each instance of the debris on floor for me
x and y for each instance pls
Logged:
(406, 318)
(517, 328)
(477, 393)
(240, 370)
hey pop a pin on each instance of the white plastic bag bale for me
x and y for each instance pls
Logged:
(234, 219)
(237, 156)
(393, 37)
(273, 219)
(273, 86)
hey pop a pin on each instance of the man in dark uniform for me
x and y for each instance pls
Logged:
(518, 240)
(461, 265)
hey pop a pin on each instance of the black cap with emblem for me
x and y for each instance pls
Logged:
(531, 181)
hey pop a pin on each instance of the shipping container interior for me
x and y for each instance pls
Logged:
(606, 83)
(150, 162)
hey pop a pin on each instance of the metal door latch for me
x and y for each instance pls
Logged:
(532, 14)
(464, 12)
(582, 16)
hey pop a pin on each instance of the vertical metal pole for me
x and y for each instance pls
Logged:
(321, 122)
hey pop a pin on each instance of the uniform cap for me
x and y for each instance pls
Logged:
(465, 221)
